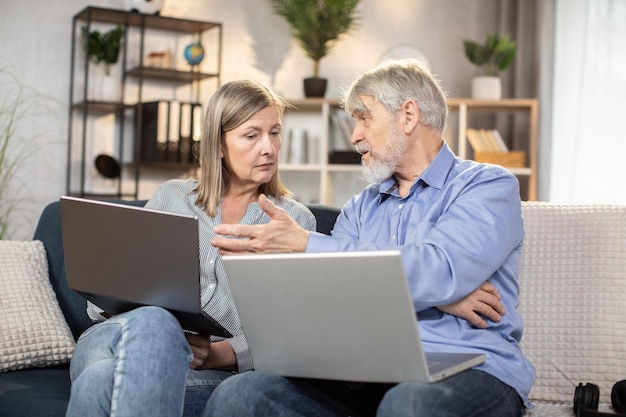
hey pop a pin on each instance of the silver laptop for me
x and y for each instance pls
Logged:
(120, 257)
(341, 316)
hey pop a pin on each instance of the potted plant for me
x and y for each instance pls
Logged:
(316, 25)
(493, 57)
(9, 113)
(103, 50)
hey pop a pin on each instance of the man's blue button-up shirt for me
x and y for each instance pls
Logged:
(459, 226)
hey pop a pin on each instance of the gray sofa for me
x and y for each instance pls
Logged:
(45, 391)
(572, 297)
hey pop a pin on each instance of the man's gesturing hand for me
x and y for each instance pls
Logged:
(281, 234)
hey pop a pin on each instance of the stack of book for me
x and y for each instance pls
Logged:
(170, 131)
(489, 147)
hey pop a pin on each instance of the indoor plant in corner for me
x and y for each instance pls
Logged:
(103, 50)
(19, 106)
(316, 25)
(493, 57)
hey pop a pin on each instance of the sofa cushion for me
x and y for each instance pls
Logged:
(35, 392)
(572, 297)
(33, 330)
(325, 216)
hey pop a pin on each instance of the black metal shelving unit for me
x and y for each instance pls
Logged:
(82, 106)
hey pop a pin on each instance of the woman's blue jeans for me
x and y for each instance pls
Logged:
(469, 394)
(137, 364)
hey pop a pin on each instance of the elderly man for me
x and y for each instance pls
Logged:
(458, 225)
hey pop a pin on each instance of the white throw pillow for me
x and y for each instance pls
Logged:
(572, 288)
(33, 330)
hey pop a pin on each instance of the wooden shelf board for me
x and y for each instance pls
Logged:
(181, 166)
(165, 74)
(99, 196)
(128, 18)
(344, 167)
(101, 106)
(311, 104)
(521, 171)
(492, 105)
(300, 167)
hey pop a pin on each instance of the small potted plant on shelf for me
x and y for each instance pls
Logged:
(103, 50)
(493, 57)
(316, 25)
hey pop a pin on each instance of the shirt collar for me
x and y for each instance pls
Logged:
(434, 176)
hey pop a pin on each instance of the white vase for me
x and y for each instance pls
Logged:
(111, 88)
(487, 88)
(105, 85)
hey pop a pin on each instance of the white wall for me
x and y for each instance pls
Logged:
(35, 42)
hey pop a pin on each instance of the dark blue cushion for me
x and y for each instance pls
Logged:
(35, 392)
(325, 216)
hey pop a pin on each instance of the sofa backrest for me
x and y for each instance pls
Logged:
(572, 291)
(573, 297)
(73, 305)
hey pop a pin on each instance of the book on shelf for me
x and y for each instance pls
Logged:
(489, 147)
(170, 131)
(486, 140)
(498, 138)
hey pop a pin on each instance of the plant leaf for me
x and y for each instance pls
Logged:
(317, 24)
(495, 55)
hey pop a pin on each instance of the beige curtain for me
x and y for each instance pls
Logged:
(531, 24)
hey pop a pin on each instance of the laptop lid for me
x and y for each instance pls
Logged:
(342, 316)
(120, 257)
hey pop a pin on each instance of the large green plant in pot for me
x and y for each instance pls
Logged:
(316, 25)
(493, 56)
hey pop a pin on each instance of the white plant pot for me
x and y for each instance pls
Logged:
(105, 87)
(110, 89)
(487, 88)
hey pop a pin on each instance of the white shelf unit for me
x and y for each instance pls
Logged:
(465, 107)
(317, 180)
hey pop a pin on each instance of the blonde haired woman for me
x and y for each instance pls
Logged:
(141, 362)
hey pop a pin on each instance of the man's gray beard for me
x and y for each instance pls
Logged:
(383, 165)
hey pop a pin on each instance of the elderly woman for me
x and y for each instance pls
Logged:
(142, 362)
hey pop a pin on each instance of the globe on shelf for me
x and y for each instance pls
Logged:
(194, 53)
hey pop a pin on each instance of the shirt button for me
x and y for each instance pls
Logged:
(393, 237)
(400, 206)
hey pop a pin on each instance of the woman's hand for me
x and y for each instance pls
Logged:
(484, 302)
(211, 355)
